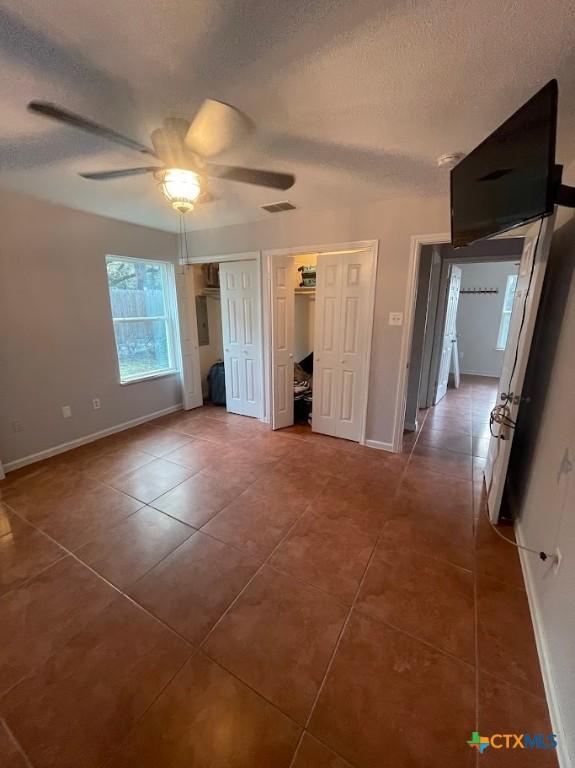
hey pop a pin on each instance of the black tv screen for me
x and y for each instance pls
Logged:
(509, 179)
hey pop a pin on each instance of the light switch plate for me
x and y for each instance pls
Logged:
(66, 411)
(396, 318)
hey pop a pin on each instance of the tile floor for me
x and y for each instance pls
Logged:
(202, 592)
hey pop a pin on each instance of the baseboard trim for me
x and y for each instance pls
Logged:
(543, 653)
(63, 447)
(480, 373)
(379, 446)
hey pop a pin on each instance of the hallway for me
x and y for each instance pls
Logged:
(199, 591)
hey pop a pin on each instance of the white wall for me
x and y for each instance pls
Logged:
(545, 467)
(393, 223)
(479, 316)
(57, 340)
(303, 336)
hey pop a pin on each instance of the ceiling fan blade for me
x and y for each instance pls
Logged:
(216, 127)
(54, 112)
(272, 179)
(104, 175)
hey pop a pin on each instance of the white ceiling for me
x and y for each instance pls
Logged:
(356, 97)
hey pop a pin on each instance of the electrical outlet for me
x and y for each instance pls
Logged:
(66, 411)
(557, 558)
(17, 425)
(96, 403)
(395, 318)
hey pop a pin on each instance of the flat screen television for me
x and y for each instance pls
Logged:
(510, 178)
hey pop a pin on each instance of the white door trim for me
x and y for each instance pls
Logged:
(370, 246)
(242, 256)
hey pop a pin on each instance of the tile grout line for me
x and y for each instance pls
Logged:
(16, 743)
(352, 606)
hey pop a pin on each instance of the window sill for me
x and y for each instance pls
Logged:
(149, 376)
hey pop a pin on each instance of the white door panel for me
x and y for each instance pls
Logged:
(241, 333)
(282, 298)
(453, 287)
(342, 323)
(326, 354)
(523, 315)
(188, 327)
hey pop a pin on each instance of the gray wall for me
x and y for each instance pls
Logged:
(393, 223)
(57, 341)
(479, 317)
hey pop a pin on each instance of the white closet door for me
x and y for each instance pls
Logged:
(342, 342)
(356, 274)
(326, 352)
(188, 327)
(239, 286)
(282, 340)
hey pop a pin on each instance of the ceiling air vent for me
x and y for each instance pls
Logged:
(285, 205)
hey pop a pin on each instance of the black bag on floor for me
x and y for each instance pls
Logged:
(217, 382)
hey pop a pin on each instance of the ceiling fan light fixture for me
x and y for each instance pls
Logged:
(180, 187)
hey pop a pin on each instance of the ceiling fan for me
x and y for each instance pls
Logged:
(183, 148)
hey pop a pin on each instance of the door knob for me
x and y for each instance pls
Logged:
(226, 350)
(291, 356)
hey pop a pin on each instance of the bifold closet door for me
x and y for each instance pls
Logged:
(342, 343)
(239, 288)
(282, 300)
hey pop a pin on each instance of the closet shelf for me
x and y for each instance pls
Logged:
(306, 291)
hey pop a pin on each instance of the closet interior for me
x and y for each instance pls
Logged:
(304, 276)
(210, 337)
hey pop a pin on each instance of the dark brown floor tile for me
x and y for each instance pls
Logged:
(330, 554)
(504, 709)
(11, 754)
(74, 519)
(200, 497)
(192, 588)
(388, 696)
(206, 718)
(255, 523)
(447, 463)
(152, 480)
(39, 617)
(24, 551)
(278, 638)
(155, 440)
(109, 466)
(435, 529)
(85, 699)
(446, 440)
(428, 598)
(213, 430)
(505, 635)
(198, 454)
(312, 754)
(493, 556)
(453, 495)
(124, 553)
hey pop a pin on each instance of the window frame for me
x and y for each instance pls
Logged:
(503, 325)
(169, 317)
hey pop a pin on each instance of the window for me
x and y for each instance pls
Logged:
(140, 298)
(506, 311)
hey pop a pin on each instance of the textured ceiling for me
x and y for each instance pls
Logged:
(356, 97)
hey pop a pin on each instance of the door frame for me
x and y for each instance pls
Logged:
(417, 242)
(241, 256)
(367, 246)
